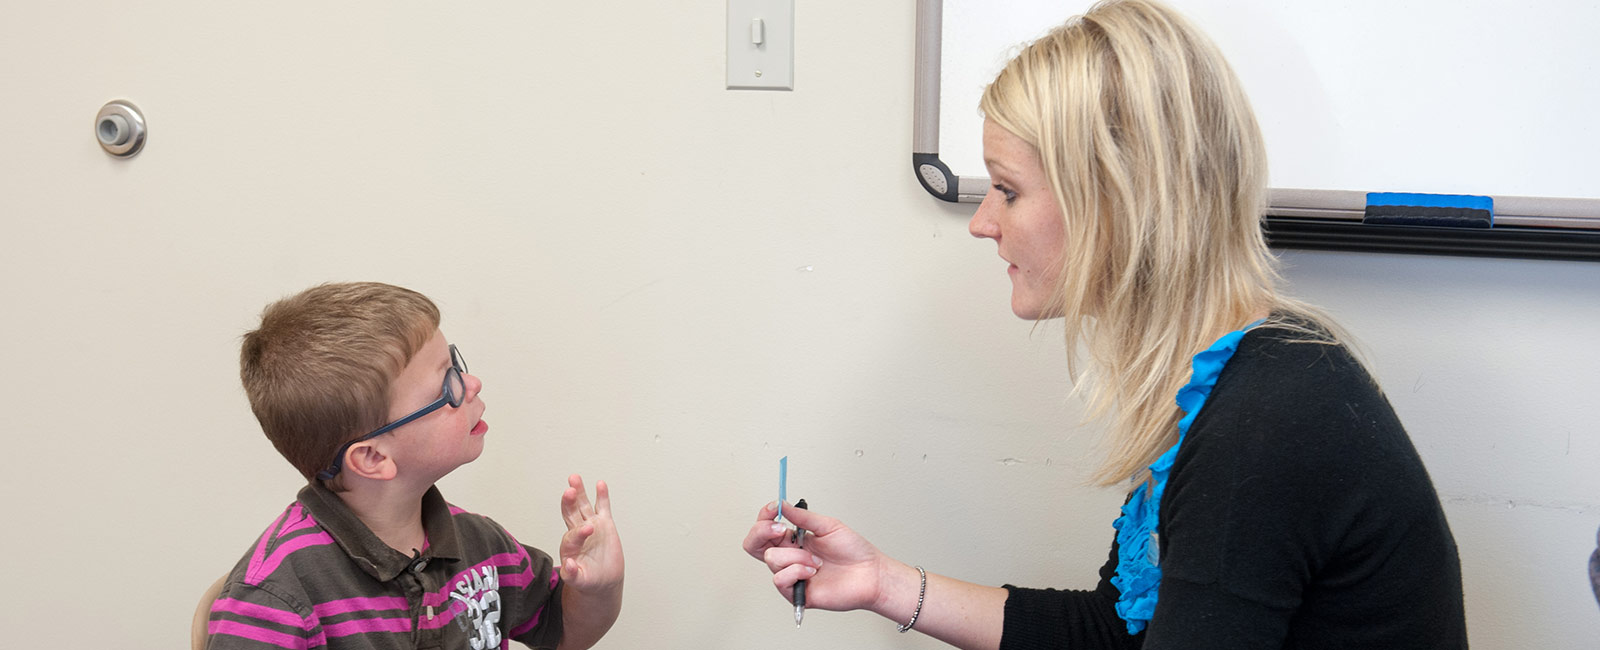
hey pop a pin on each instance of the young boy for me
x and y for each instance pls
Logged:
(356, 386)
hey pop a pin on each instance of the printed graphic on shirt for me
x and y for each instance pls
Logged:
(480, 593)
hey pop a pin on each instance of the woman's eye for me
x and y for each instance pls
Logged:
(1010, 195)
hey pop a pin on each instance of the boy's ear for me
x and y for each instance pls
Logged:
(366, 460)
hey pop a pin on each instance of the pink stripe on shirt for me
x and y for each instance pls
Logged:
(526, 577)
(438, 598)
(244, 630)
(259, 573)
(532, 623)
(335, 607)
(367, 625)
(260, 612)
(520, 579)
(443, 617)
(298, 519)
(521, 558)
(261, 546)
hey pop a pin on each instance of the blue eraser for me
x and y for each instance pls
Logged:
(1448, 210)
(783, 485)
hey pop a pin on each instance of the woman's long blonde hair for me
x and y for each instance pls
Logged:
(1155, 158)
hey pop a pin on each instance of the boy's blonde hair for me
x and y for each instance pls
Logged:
(1158, 166)
(319, 368)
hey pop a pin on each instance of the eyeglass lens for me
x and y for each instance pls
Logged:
(455, 386)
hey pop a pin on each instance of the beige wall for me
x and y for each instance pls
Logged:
(662, 283)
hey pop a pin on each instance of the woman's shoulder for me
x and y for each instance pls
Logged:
(1297, 353)
(1295, 398)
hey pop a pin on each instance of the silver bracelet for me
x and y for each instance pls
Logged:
(921, 593)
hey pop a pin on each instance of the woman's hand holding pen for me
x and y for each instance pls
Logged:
(842, 570)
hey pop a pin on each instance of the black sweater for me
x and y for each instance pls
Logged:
(1297, 515)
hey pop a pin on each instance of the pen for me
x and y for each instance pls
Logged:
(799, 587)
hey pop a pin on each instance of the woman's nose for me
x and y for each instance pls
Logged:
(983, 225)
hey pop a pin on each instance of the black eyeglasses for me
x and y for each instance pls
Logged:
(455, 388)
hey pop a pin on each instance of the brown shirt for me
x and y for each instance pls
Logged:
(318, 577)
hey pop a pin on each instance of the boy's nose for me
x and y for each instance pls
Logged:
(472, 384)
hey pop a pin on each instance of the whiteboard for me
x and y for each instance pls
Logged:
(1359, 95)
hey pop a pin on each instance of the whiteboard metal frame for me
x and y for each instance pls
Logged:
(1525, 227)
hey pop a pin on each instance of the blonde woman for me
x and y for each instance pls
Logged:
(1275, 500)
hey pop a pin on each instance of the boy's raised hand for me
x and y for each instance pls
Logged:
(591, 566)
(591, 552)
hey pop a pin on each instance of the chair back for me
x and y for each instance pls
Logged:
(199, 631)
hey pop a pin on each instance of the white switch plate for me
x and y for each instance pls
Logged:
(768, 65)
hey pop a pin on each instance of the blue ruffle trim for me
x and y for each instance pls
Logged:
(1138, 575)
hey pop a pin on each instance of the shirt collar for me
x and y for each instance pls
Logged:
(363, 546)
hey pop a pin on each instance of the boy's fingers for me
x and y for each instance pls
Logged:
(576, 481)
(577, 534)
(602, 497)
(569, 508)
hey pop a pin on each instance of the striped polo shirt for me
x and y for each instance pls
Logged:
(318, 577)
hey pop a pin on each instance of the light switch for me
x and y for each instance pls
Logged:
(761, 44)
